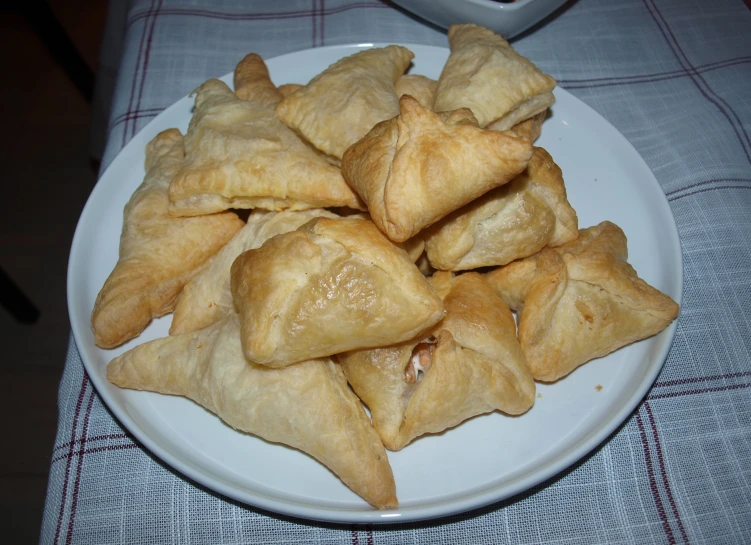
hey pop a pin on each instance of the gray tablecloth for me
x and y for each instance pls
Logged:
(674, 76)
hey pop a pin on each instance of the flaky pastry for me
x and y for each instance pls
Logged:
(239, 155)
(513, 221)
(580, 301)
(420, 166)
(529, 129)
(470, 363)
(421, 88)
(252, 82)
(307, 406)
(485, 74)
(342, 103)
(332, 285)
(158, 253)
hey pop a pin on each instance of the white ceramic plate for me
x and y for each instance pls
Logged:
(486, 459)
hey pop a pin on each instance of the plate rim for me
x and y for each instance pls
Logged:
(372, 516)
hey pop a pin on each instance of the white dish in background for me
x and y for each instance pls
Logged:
(507, 19)
(484, 460)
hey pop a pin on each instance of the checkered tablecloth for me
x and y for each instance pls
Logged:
(674, 76)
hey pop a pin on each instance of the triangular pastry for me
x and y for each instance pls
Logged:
(207, 297)
(252, 82)
(420, 166)
(470, 363)
(158, 253)
(239, 155)
(485, 74)
(513, 221)
(307, 406)
(332, 285)
(580, 301)
(342, 103)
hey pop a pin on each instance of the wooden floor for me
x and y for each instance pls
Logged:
(46, 177)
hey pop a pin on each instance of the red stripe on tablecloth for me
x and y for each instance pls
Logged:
(79, 469)
(693, 380)
(725, 388)
(355, 540)
(258, 16)
(653, 480)
(74, 429)
(707, 182)
(146, 111)
(655, 76)
(135, 74)
(671, 199)
(705, 90)
(146, 56)
(90, 439)
(665, 481)
(94, 450)
(370, 535)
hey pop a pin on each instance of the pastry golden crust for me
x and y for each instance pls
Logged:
(511, 222)
(472, 361)
(207, 297)
(421, 88)
(307, 406)
(580, 301)
(239, 155)
(485, 74)
(342, 103)
(252, 82)
(420, 166)
(330, 286)
(158, 253)
(529, 129)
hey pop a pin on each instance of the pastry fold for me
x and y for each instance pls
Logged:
(513, 221)
(342, 103)
(252, 82)
(580, 301)
(207, 297)
(420, 166)
(330, 286)
(239, 155)
(470, 363)
(306, 406)
(158, 253)
(421, 88)
(529, 129)
(485, 74)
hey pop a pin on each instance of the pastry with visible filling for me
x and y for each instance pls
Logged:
(485, 74)
(333, 285)
(342, 103)
(470, 363)
(513, 221)
(307, 406)
(580, 301)
(420, 166)
(158, 253)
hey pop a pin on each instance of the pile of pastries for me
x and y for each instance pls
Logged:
(396, 222)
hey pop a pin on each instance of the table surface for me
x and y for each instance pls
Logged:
(674, 76)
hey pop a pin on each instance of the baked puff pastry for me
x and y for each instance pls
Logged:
(485, 74)
(306, 406)
(158, 253)
(470, 363)
(330, 286)
(529, 129)
(252, 82)
(580, 301)
(239, 155)
(510, 222)
(421, 88)
(207, 297)
(420, 166)
(342, 103)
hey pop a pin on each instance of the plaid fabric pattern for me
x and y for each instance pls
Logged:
(673, 76)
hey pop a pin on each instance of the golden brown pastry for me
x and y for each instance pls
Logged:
(289, 88)
(485, 74)
(307, 406)
(470, 363)
(332, 285)
(420, 166)
(342, 103)
(421, 88)
(239, 155)
(252, 82)
(529, 129)
(158, 253)
(513, 221)
(580, 301)
(207, 297)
